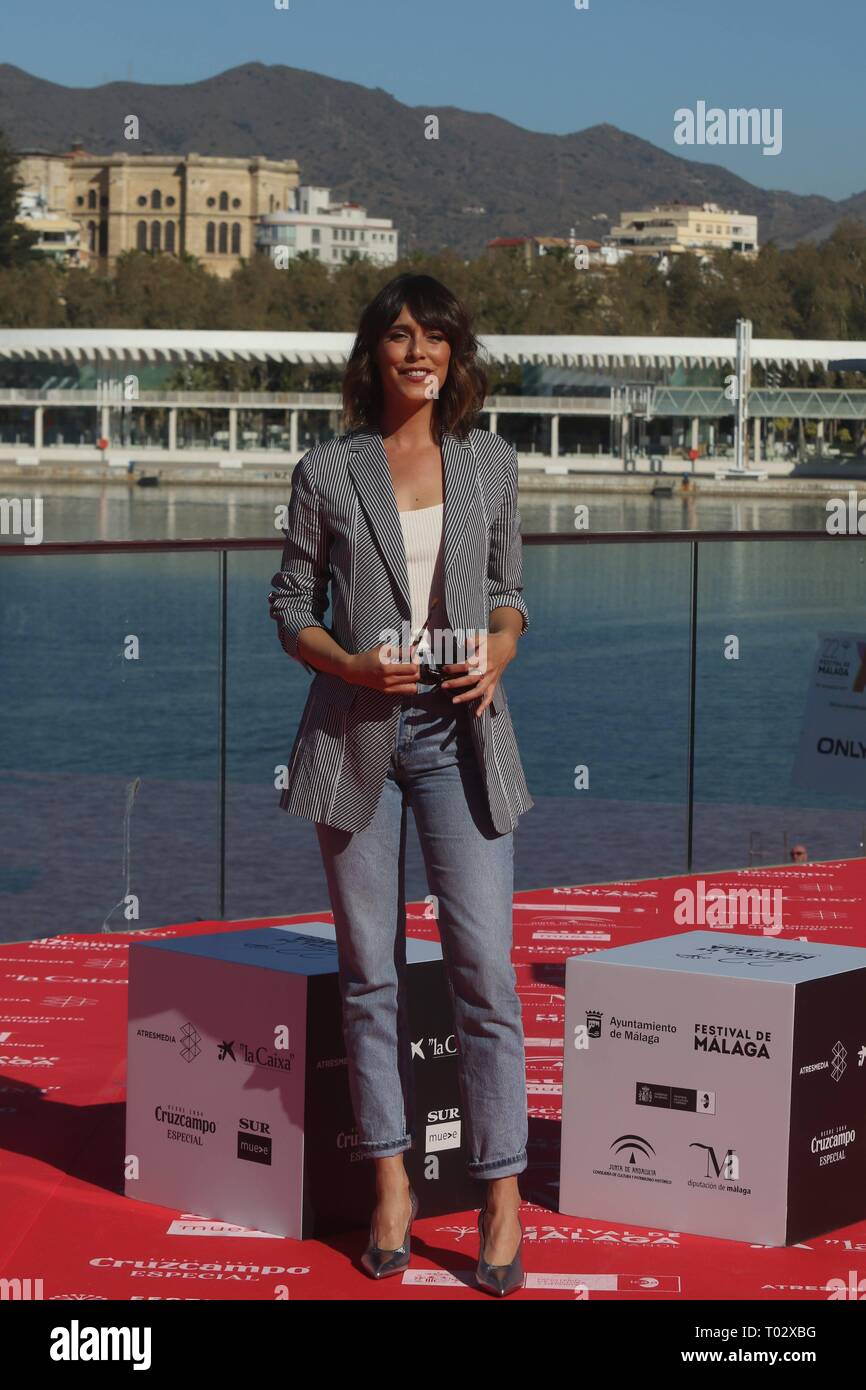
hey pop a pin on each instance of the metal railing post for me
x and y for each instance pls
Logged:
(693, 667)
(222, 721)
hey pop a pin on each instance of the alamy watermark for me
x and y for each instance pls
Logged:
(79, 1342)
(22, 516)
(738, 125)
(846, 516)
(439, 646)
(717, 907)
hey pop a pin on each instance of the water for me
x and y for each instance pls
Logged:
(601, 682)
(90, 512)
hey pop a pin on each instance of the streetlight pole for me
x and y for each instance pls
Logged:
(744, 381)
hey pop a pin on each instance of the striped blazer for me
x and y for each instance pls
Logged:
(344, 529)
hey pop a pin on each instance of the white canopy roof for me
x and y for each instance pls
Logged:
(199, 345)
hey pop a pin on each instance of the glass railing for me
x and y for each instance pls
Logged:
(147, 708)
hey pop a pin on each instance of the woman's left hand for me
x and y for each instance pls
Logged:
(501, 648)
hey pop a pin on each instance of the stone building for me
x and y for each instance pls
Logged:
(205, 205)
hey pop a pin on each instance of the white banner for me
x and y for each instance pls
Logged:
(832, 752)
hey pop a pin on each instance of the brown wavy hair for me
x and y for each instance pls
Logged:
(433, 305)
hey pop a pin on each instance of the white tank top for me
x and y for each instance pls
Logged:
(422, 539)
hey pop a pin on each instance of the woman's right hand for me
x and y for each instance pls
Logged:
(378, 670)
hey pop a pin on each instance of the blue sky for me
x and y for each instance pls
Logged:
(540, 63)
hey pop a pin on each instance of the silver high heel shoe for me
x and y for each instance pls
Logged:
(379, 1263)
(499, 1279)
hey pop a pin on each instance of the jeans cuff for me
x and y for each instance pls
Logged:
(499, 1167)
(373, 1149)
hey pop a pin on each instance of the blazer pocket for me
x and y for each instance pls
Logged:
(333, 690)
(498, 700)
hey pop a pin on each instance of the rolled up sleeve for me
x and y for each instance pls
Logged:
(505, 564)
(299, 589)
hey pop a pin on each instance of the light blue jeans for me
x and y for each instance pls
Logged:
(470, 869)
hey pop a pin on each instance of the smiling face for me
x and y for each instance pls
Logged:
(412, 360)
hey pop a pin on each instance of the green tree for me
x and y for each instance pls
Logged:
(31, 295)
(16, 240)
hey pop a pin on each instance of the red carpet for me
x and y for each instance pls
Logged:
(62, 1067)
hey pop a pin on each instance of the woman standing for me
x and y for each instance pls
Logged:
(412, 519)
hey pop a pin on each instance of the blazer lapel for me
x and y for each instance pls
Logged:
(368, 468)
(460, 475)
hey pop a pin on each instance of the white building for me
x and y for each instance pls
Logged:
(57, 237)
(328, 231)
(677, 228)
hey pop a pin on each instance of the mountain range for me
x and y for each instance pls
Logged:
(483, 177)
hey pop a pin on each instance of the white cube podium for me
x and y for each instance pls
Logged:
(238, 1105)
(715, 1083)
